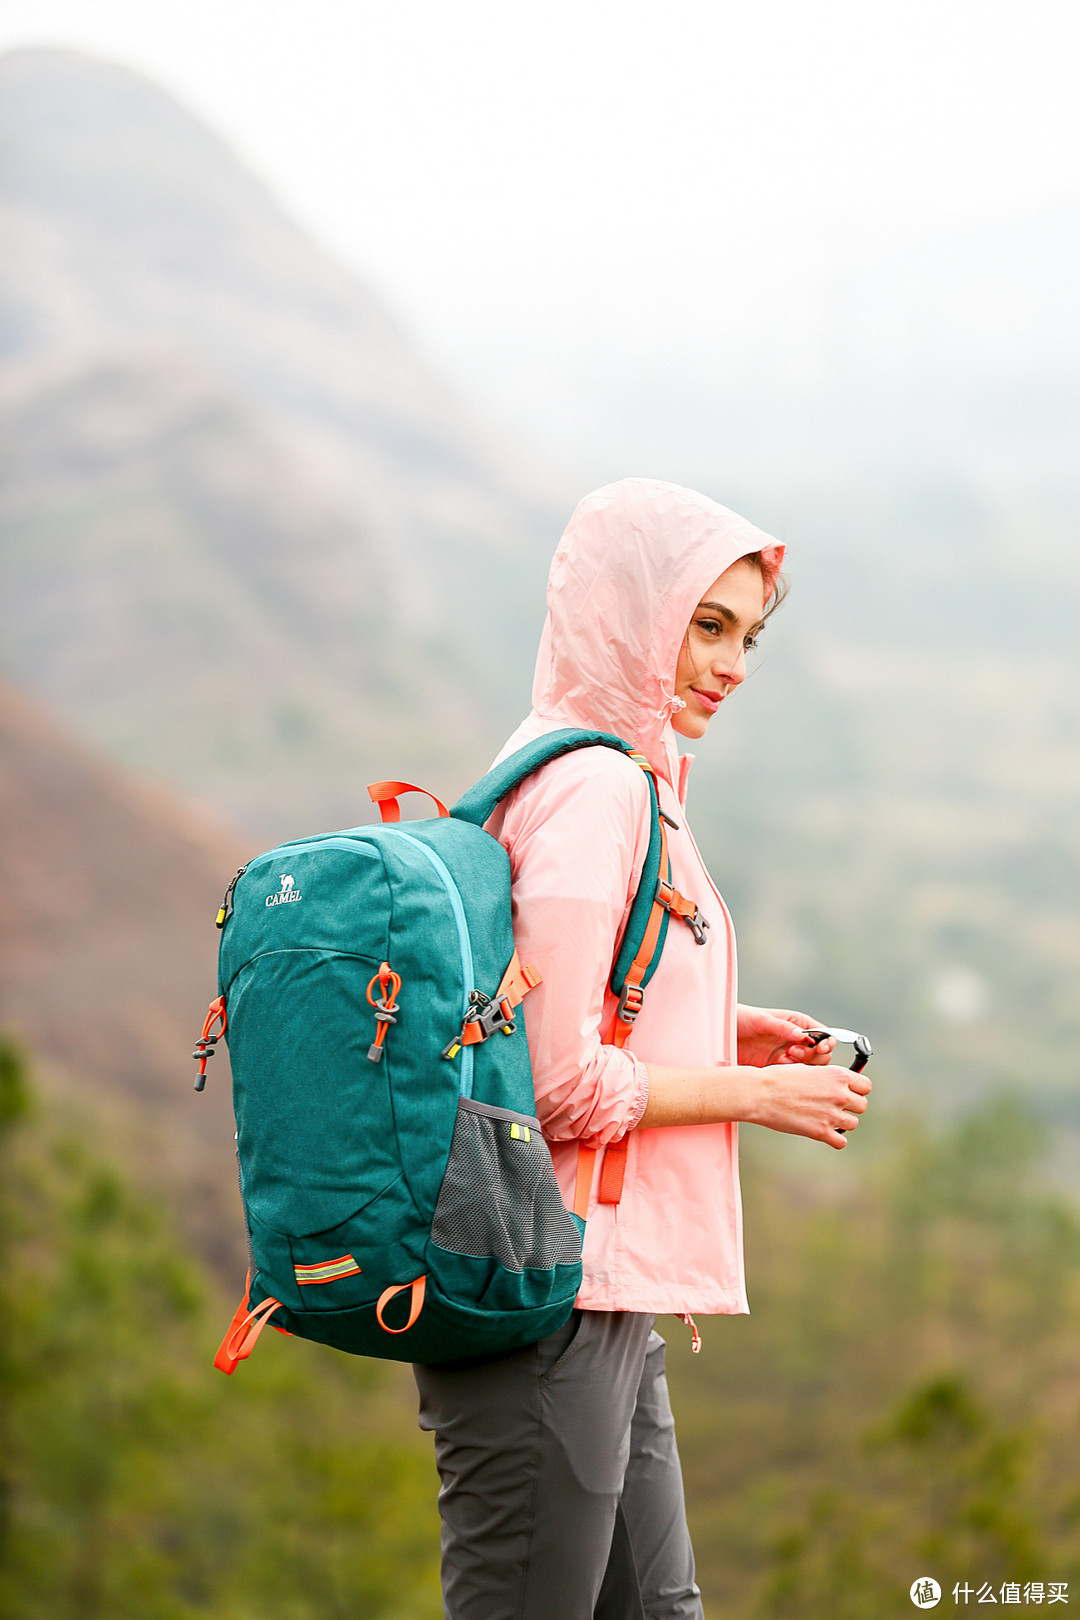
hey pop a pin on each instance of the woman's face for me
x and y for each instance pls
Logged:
(712, 661)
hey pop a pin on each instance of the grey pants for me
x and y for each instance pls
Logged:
(561, 1494)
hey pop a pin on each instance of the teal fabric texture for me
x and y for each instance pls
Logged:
(360, 1176)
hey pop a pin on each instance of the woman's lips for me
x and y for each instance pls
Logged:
(708, 700)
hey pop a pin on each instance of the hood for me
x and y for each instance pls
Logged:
(634, 562)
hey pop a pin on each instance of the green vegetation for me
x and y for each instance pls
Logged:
(904, 1400)
(138, 1483)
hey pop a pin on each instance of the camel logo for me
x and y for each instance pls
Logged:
(286, 893)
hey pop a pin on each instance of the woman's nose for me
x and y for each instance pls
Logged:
(730, 670)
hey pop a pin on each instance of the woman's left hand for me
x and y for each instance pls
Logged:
(770, 1035)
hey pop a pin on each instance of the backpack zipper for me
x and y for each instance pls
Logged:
(225, 909)
(465, 1084)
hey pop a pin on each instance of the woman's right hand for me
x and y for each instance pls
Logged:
(803, 1100)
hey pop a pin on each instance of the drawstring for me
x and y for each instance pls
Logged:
(385, 1006)
(672, 705)
(695, 1341)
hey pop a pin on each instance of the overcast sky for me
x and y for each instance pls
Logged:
(700, 190)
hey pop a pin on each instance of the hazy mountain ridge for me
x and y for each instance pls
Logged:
(297, 496)
(107, 955)
(241, 545)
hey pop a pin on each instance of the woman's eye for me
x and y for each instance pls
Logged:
(711, 627)
(749, 643)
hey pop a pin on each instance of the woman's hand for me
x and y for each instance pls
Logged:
(821, 1104)
(820, 1101)
(768, 1035)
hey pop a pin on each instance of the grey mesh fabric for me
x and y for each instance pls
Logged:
(499, 1196)
(561, 1496)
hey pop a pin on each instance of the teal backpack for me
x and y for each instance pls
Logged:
(399, 1197)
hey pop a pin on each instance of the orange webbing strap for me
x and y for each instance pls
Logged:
(586, 1163)
(517, 981)
(621, 1028)
(471, 1035)
(416, 1304)
(612, 1172)
(244, 1330)
(384, 794)
(613, 1169)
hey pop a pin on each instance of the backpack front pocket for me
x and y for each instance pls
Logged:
(500, 1198)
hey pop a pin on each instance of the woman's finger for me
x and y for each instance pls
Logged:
(807, 1052)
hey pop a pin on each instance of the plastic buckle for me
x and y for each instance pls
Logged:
(492, 1015)
(697, 925)
(628, 1009)
(488, 1015)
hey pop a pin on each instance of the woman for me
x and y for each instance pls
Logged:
(561, 1493)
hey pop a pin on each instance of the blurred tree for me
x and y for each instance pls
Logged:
(905, 1398)
(138, 1483)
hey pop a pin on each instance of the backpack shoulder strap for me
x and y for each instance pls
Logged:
(646, 929)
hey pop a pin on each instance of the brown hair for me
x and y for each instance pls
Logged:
(780, 584)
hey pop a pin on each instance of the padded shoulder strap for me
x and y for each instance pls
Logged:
(479, 802)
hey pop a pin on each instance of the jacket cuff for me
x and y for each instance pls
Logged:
(641, 1098)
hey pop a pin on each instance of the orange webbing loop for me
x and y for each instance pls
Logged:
(244, 1330)
(517, 981)
(612, 1172)
(227, 1364)
(384, 794)
(586, 1163)
(416, 1305)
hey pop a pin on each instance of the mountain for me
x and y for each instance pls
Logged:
(107, 958)
(250, 545)
(247, 539)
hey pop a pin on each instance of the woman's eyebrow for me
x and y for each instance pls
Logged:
(729, 615)
(718, 607)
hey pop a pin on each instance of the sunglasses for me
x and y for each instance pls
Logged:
(847, 1037)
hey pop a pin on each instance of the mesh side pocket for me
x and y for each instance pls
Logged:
(499, 1198)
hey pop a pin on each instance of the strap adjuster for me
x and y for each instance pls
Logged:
(677, 905)
(631, 1002)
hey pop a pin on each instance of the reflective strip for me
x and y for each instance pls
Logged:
(326, 1271)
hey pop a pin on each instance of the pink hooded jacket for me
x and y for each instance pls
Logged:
(634, 562)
